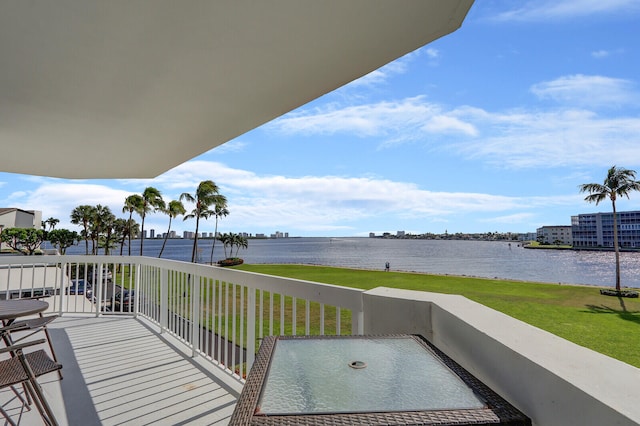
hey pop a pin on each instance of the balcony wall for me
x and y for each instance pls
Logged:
(551, 380)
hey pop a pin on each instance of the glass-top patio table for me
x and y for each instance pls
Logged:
(337, 380)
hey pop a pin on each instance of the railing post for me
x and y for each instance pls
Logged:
(164, 303)
(251, 326)
(62, 298)
(136, 288)
(96, 277)
(195, 315)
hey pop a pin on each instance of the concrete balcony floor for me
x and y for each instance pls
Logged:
(119, 371)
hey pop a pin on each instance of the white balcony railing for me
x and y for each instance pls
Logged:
(219, 313)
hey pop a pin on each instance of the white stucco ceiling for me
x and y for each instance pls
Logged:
(132, 88)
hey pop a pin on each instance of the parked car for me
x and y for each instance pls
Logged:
(77, 287)
(88, 292)
(105, 276)
(124, 301)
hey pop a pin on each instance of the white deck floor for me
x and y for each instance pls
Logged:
(118, 371)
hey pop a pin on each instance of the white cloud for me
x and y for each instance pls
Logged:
(561, 138)
(598, 54)
(383, 74)
(399, 119)
(517, 138)
(432, 53)
(305, 204)
(57, 200)
(588, 90)
(443, 124)
(232, 146)
(16, 196)
(536, 11)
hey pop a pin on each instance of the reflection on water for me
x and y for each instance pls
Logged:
(472, 258)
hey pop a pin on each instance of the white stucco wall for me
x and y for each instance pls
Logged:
(553, 381)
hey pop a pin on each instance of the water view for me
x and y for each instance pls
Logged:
(485, 259)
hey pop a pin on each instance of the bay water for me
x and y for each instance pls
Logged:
(486, 259)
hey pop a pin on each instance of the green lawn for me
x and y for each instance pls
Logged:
(579, 314)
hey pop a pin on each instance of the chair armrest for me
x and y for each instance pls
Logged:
(16, 326)
(20, 346)
(32, 323)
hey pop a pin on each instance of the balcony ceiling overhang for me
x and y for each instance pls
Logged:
(131, 89)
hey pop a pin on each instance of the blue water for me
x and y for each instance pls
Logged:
(486, 259)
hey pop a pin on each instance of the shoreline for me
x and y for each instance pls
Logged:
(594, 286)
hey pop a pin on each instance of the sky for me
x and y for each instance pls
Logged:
(489, 129)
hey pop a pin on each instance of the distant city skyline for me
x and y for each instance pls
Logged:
(491, 128)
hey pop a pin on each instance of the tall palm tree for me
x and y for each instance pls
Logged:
(121, 230)
(133, 203)
(174, 209)
(110, 237)
(219, 210)
(101, 228)
(82, 215)
(618, 183)
(206, 195)
(152, 201)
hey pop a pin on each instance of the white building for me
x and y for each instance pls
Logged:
(18, 218)
(555, 234)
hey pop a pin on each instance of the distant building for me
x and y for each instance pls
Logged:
(400, 234)
(596, 229)
(527, 236)
(18, 218)
(372, 234)
(152, 233)
(555, 234)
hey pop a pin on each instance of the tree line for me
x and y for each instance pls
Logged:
(107, 232)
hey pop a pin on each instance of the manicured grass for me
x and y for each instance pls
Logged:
(609, 325)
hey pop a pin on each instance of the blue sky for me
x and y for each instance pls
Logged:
(491, 128)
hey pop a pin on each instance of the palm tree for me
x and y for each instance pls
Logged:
(132, 203)
(121, 230)
(226, 240)
(240, 242)
(219, 210)
(174, 209)
(207, 194)
(618, 183)
(152, 201)
(101, 228)
(82, 215)
(52, 222)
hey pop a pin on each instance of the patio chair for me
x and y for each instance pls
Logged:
(24, 369)
(31, 326)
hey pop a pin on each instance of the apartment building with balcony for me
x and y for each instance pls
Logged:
(594, 230)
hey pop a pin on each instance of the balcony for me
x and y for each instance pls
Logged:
(178, 352)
